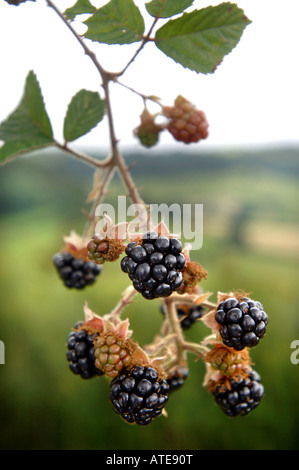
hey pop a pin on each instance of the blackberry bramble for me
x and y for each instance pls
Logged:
(80, 352)
(154, 265)
(75, 272)
(138, 395)
(242, 322)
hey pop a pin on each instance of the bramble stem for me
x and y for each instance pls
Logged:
(126, 299)
(116, 158)
(144, 41)
(85, 158)
(104, 183)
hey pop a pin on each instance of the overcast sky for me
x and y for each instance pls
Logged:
(252, 97)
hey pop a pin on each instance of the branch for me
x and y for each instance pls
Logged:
(144, 41)
(83, 157)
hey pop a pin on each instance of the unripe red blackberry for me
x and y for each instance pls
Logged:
(80, 352)
(239, 397)
(242, 322)
(101, 250)
(139, 395)
(187, 123)
(155, 265)
(113, 353)
(148, 131)
(75, 272)
(188, 314)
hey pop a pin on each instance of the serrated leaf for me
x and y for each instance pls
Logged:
(84, 112)
(167, 8)
(80, 7)
(28, 127)
(199, 40)
(118, 22)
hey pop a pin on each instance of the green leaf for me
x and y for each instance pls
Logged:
(118, 22)
(28, 127)
(167, 8)
(80, 7)
(199, 40)
(84, 112)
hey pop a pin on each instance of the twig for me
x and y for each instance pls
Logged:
(126, 299)
(83, 157)
(144, 41)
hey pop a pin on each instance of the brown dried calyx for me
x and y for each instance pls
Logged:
(227, 360)
(193, 273)
(107, 245)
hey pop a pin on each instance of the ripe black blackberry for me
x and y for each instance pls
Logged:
(74, 272)
(138, 395)
(187, 314)
(80, 353)
(176, 379)
(243, 322)
(155, 265)
(243, 396)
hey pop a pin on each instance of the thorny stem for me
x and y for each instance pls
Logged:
(144, 97)
(116, 158)
(126, 299)
(85, 158)
(144, 41)
(172, 317)
(104, 183)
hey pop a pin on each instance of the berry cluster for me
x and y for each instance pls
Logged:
(186, 122)
(154, 265)
(239, 398)
(243, 322)
(80, 352)
(138, 395)
(74, 272)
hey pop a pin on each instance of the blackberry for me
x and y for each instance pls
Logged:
(241, 397)
(80, 353)
(243, 322)
(74, 272)
(177, 379)
(155, 265)
(138, 395)
(187, 314)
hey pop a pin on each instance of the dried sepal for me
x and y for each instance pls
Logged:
(75, 245)
(227, 360)
(107, 244)
(92, 319)
(193, 273)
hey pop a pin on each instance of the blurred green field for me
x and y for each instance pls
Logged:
(250, 242)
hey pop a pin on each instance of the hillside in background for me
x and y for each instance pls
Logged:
(251, 226)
